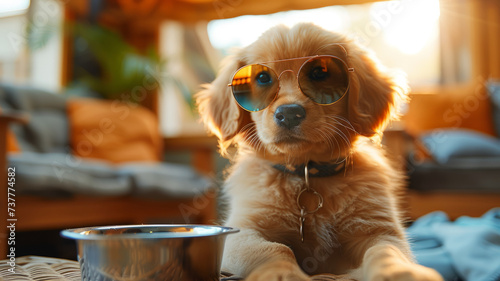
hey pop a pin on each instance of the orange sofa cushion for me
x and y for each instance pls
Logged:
(113, 131)
(460, 106)
(12, 145)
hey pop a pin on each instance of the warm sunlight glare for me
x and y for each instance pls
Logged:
(413, 27)
(404, 34)
(9, 7)
(242, 31)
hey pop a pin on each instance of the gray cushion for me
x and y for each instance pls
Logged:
(447, 144)
(51, 172)
(60, 173)
(494, 91)
(48, 127)
(173, 180)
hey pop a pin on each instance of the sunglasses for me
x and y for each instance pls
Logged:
(322, 78)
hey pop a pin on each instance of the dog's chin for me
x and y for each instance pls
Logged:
(298, 148)
(291, 145)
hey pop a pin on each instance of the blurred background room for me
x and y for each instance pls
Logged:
(97, 113)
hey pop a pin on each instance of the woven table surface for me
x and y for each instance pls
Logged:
(34, 268)
(40, 268)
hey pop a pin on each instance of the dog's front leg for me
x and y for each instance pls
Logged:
(249, 255)
(385, 261)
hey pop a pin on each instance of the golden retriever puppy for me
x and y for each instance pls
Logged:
(309, 188)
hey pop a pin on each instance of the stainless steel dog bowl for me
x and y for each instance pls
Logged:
(150, 252)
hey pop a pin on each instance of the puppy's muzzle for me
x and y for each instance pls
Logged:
(289, 115)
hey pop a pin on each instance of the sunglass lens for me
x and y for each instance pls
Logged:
(254, 87)
(324, 79)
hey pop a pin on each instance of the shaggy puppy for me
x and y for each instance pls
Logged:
(309, 188)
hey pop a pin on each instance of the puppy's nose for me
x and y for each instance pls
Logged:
(289, 115)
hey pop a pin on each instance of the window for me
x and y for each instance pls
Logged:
(404, 34)
(13, 59)
(19, 62)
(9, 7)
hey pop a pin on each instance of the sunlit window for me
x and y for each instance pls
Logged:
(10, 7)
(413, 28)
(404, 34)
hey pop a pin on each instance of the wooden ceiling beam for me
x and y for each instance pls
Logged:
(156, 11)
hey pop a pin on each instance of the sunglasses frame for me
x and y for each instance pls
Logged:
(307, 59)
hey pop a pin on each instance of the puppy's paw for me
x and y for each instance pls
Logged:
(405, 272)
(278, 271)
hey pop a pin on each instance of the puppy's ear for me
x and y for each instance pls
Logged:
(375, 94)
(217, 107)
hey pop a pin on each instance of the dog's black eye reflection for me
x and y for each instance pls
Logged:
(263, 78)
(318, 73)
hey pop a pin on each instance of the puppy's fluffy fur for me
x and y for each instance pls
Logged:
(357, 234)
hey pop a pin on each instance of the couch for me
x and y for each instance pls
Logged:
(82, 162)
(454, 164)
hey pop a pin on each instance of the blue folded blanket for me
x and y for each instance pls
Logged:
(466, 249)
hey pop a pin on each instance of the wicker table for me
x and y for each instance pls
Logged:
(34, 268)
(40, 268)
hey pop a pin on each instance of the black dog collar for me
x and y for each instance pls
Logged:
(315, 169)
